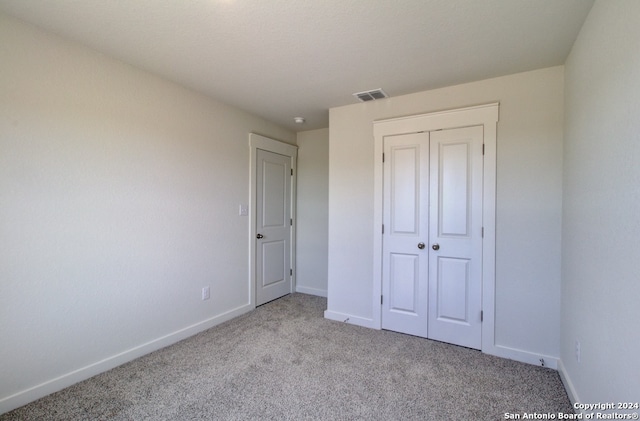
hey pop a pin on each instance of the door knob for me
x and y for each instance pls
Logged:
(420, 246)
(436, 246)
(259, 236)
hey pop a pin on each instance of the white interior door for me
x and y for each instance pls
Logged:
(432, 240)
(455, 228)
(405, 264)
(273, 226)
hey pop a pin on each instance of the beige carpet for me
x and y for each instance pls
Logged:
(284, 361)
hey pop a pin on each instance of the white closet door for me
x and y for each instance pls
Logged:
(455, 240)
(405, 256)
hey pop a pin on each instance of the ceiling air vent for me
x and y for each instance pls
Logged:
(370, 95)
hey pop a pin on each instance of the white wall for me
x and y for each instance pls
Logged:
(601, 211)
(119, 196)
(312, 212)
(529, 180)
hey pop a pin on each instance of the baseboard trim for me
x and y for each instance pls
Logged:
(349, 318)
(311, 291)
(522, 356)
(568, 384)
(24, 397)
(497, 350)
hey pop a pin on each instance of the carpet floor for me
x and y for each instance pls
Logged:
(284, 361)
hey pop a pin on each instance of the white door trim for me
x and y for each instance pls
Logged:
(256, 142)
(486, 115)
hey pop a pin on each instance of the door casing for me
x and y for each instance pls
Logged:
(256, 142)
(485, 115)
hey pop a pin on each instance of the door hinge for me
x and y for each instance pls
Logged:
(291, 221)
(291, 171)
(483, 149)
(383, 228)
(381, 299)
(383, 157)
(481, 315)
(291, 272)
(482, 232)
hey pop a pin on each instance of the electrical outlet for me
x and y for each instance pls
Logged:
(578, 351)
(206, 293)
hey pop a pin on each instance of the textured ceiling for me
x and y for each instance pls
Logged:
(284, 58)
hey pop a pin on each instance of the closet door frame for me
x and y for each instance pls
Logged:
(486, 115)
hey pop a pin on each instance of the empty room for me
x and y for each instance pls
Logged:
(367, 209)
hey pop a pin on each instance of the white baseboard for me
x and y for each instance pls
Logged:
(497, 350)
(36, 392)
(311, 291)
(522, 356)
(349, 318)
(568, 384)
